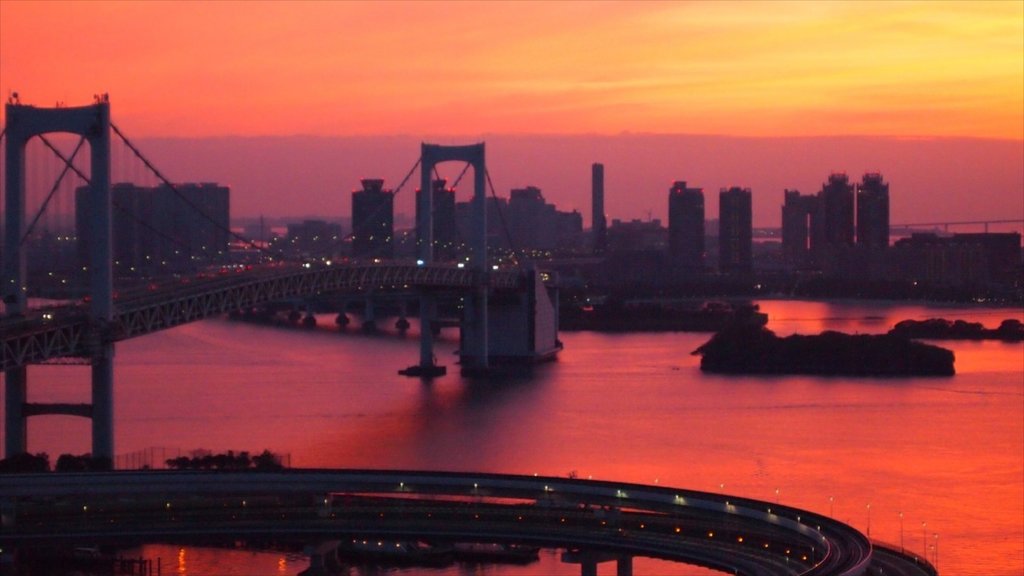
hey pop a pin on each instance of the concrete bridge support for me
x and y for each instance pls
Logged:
(430, 156)
(589, 559)
(93, 124)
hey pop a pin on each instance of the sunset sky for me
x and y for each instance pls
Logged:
(728, 68)
(472, 70)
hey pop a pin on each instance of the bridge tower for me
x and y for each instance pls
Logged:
(92, 123)
(476, 355)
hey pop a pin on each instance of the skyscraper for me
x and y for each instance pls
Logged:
(162, 228)
(446, 232)
(373, 220)
(873, 212)
(800, 228)
(686, 227)
(837, 211)
(598, 226)
(735, 229)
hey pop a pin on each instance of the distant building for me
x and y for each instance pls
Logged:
(314, 238)
(373, 220)
(686, 227)
(837, 211)
(873, 212)
(973, 261)
(496, 208)
(735, 230)
(800, 229)
(161, 228)
(446, 234)
(598, 224)
(535, 225)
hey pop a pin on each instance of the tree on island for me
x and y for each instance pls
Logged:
(25, 463)
(266, 460)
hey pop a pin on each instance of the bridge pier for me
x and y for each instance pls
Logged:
(103, 404)
(369, 317)
(427, 368)
(589, 559)
(15, 421)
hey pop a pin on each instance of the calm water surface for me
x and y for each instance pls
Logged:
(948, 452)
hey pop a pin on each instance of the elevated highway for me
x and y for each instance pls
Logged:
(732, 534)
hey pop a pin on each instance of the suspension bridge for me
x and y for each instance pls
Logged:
(521, 326)
(597, 520)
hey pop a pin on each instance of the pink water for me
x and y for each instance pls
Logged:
(947, 452)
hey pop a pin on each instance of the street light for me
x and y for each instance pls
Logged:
(936, 551)
(924, 539)
(831, 506)
(869, 520)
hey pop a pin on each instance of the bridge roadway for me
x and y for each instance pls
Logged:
(732, 534)
(67, 331)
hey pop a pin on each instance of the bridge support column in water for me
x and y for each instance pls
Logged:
(15, 422)
(430, 156)
(93, 124)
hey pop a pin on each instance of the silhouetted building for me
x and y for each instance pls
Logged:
(162, 228)
(598, 224)
(496, 208)
(446, 232)
(373, 220)
(837, 205)
(535, 225)
(314, 239)
(975, 261)
(735, 230)
(800, 229)
(686, 227)
(873, 212)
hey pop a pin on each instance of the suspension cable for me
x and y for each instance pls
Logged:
(67, 168)
(184, 199)
(68, 163)
(461, 174)
(70, 166)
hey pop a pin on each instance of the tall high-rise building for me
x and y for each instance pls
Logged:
(598, 226)
(735, 230)
(446, 233)
(162, 228)
(873, 211)
(837, 204)
(686, 227)
(800, 228)
(373, 220)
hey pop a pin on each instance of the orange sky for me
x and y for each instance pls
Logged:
(729, 68)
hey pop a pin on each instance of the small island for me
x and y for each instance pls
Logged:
(744, 349)
(1010, 330)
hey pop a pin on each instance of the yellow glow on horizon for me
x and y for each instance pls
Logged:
(730, 68)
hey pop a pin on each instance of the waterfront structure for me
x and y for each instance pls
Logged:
(873, 212)
(686, 227)
(373, 220)
(837, 211)
(735, 230)
(975, 261)
(598, 223)
(157, 228)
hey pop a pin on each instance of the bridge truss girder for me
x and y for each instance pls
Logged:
(72, 334)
